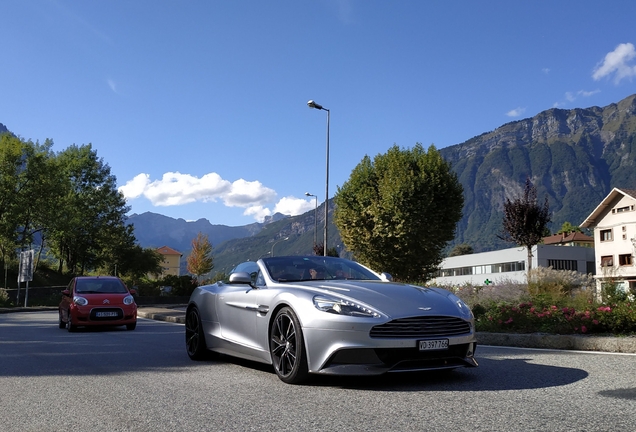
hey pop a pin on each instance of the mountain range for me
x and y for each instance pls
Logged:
(574, 157)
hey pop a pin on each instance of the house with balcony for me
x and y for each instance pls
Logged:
(614, 224)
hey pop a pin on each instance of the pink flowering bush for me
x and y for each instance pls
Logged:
(557, 302)
(619, 318)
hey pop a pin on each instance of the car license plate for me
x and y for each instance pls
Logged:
(106, 314)
(430, 345)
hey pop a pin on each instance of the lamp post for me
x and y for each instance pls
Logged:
(315, 216)
(275, 243)
(312, 104)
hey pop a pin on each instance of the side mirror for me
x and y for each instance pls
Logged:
(133, 292)
(66, 293)
(240, 278)
(386, 277)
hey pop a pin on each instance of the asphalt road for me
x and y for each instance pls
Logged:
(142, 380)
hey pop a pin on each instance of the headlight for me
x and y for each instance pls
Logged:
(463, 307)
(343, 307)
(128, 300)
(80, 301)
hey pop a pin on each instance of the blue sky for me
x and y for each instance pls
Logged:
(200, 109)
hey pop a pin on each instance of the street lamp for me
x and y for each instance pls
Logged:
(315, 216)
(312, 104)
(275, 243)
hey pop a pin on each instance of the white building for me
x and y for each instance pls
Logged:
(510, 264)
(614, 225)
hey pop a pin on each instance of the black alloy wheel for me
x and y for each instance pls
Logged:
(287, 347)
(194, 337)
(131, 326)
(61, 323)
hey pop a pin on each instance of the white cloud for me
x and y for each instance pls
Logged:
(572, 96)
(112, 85)
(243, 194)
(259, 212)
(175, 189)
(616, 62)
(545, 70)
(516, 112)
(135, 188)
(293, 206)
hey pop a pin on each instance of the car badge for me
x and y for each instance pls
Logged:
(106, 301)
(425, 308)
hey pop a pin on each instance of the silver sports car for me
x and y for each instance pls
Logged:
(325, 315)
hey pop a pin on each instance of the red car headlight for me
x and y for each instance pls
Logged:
(80, 301)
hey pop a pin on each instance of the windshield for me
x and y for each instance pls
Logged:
(303, 268)
(99, 286)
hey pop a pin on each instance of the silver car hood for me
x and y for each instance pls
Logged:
(390, 298)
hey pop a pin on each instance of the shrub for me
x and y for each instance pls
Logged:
(555, 301)
(4, 298)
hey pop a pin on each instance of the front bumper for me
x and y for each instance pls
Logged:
(92, 315)
(356, 353)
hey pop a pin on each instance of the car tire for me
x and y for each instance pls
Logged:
(287, 347)
(194, 337)
(61, 323)
(131, 326)
(69, 323)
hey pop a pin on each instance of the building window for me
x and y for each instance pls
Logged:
(625, 260)
(606, 235)
(624, 209)
(563, 264)
(607, 261)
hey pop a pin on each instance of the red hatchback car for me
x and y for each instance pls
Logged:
(97, 301)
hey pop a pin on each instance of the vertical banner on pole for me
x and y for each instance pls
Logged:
(26, 272)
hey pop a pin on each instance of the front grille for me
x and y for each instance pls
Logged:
(421, 327)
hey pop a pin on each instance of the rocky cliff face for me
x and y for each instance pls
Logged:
(574, 157)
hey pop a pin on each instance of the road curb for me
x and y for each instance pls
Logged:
(625, 344)
(175, 317)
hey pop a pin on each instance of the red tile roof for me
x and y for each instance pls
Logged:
(567, 238)
(165, 250)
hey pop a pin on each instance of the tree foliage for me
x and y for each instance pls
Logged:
(525, 221)
(200, 261)
(398, 211)
(461, 249)
(91, 223)
(67, 203)
(568, 228)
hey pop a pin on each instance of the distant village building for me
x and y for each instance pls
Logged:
(511, 264)
(569, 239)
(171, 264)
(614, 225)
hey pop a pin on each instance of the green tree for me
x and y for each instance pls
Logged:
(200, 261)
(91, 216)
(568, 228)
(29, 190)
(12, 170)
(461, 249)
(525, 221)
(397, 212)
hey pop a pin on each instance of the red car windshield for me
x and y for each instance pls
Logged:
(99, 286)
